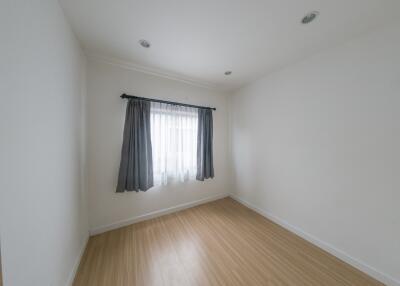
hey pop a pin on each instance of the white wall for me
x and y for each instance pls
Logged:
(317, 145)
(43, 220)
(106, 115)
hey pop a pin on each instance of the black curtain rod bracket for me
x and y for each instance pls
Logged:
(165, 101)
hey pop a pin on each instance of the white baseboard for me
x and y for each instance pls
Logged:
(122, 223)
(384, 278)
(72, 275)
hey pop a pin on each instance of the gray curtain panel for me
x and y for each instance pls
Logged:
(205, 168)
(136, 167)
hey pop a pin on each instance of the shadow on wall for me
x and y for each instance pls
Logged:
(1, 275)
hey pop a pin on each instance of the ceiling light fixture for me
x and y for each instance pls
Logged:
(309, 17)
(144, 44)
(228, 72)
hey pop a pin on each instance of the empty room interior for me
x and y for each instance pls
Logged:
(200, 142)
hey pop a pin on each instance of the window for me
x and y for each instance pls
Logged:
(174, 142)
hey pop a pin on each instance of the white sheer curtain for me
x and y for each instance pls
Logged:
(174, 142)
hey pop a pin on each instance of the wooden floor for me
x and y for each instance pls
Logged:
(219, 243)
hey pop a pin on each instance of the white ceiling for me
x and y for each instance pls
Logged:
(198, 40)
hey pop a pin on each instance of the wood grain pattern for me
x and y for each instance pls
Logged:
(218, 243)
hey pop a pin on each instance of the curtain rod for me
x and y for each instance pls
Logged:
(165, 101)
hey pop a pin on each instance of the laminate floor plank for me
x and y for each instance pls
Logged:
(216, 244)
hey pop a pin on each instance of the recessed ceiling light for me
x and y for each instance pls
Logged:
(144, 44)
(309, 17)
(228, 72)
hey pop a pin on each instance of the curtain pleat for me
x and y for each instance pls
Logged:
(205, 166)
(136, 167)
